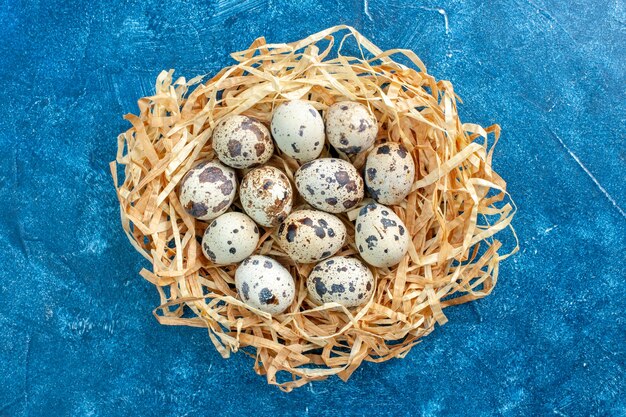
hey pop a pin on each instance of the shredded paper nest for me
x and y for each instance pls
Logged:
(456, 206)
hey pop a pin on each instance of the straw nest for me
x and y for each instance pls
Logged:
(457, 204)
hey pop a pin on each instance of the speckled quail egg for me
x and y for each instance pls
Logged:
(208, 189)
(389, 173)
(230, 238)
(311, 235)
(265, 284)
(340, 279)
(330, 184)
(298, 129)
(381, 237)
(266, 195)
(242, 142)
(350, 127)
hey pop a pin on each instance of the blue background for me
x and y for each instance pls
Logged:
(77, 335)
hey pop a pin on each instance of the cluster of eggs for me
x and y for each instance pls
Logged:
(329, 186)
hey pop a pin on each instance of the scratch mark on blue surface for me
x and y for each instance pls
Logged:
(532, 242)
(477, 311)
(537, 105)
(19, 230)
(145, 86)
(86, 44)
(116, 90)
(593, 178)
(16, 236)
(441, 12)
(9, 404)
(197, 35)
(554, 22)
(16, 168)
(228, 8)
(549, 229)
(26, 367)
(617, 12)
(366, 9)
(445, 19)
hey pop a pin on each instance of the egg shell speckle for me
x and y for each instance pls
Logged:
(350, 127)
(380, 236)
(208, 189)
(242, 142)
(311, 235)
(389, 173)
(265, 284)
(340, 279)
(230, 238)
(266, 195)
(298, 129)
(330, 184)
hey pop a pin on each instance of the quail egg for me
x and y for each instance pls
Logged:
(389, 173)
(298, 129)
(340, 279)
(350, 127)
(208, 189)
(241, 142)
(230, 238)
(265, 284)
(330, 184)
(266, 195)
(311, 235)
(381, 237)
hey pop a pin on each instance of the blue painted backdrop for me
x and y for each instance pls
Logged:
(77, 336)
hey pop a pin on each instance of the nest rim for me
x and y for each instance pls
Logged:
(172, 133)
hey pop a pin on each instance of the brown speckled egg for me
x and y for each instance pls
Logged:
(298, 129)
(381, 237)
(208, 189)
(230, 238)
(330, 184)
(311, 235)
(242, 142)
(343, 280)
(389, 173)
(350, 127)
(266, 195)
(265, 284)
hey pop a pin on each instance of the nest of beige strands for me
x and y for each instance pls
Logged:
(457, 204)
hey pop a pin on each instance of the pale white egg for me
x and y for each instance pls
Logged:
(230, 238)
(265, 284)
(380, 236)
(298, 129)
(330, 184)
(340, 279)
(242, 142)
(389, 173)
(350, 127)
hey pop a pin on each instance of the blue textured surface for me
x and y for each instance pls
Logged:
(76, 340)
